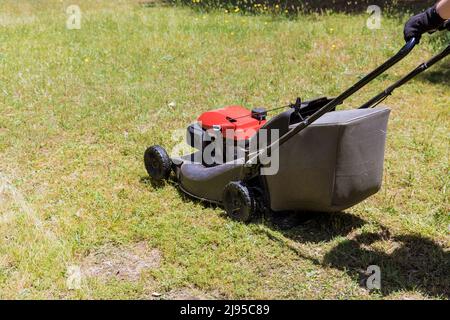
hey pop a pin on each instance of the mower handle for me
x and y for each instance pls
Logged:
(407, 48)
(421, 68)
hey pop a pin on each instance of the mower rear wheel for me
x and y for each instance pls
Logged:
(238, 201)
(157, 163)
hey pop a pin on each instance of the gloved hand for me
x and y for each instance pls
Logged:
(423, 22)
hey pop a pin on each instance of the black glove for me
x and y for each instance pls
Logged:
(421, 23)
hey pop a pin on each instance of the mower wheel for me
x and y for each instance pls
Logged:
(239, 203)
(157, 162)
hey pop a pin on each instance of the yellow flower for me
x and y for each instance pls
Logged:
(86, 59)
(236, 10)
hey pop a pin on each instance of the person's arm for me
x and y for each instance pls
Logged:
(431, 19)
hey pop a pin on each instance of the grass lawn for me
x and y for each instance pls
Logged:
(79, 107)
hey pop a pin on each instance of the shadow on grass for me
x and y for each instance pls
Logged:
(313, 226)
(307, 6)
(413, 262)
(343, 6)
(407, 262)
(410, 262)
(440, 74)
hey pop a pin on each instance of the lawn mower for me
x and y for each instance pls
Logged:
(328, 160)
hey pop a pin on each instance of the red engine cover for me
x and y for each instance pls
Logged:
(236, 118)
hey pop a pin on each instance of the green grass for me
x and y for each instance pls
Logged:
(79, 107)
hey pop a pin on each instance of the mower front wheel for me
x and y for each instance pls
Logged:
(238, 201)
(157, 163)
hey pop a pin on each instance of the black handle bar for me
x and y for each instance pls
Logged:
(407, 48)
(421, 68)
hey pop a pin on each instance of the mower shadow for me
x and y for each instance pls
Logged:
(307, 6)
(439, 75)
(314, 226)
(407, 262)
(410, 262)
(413, 262)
